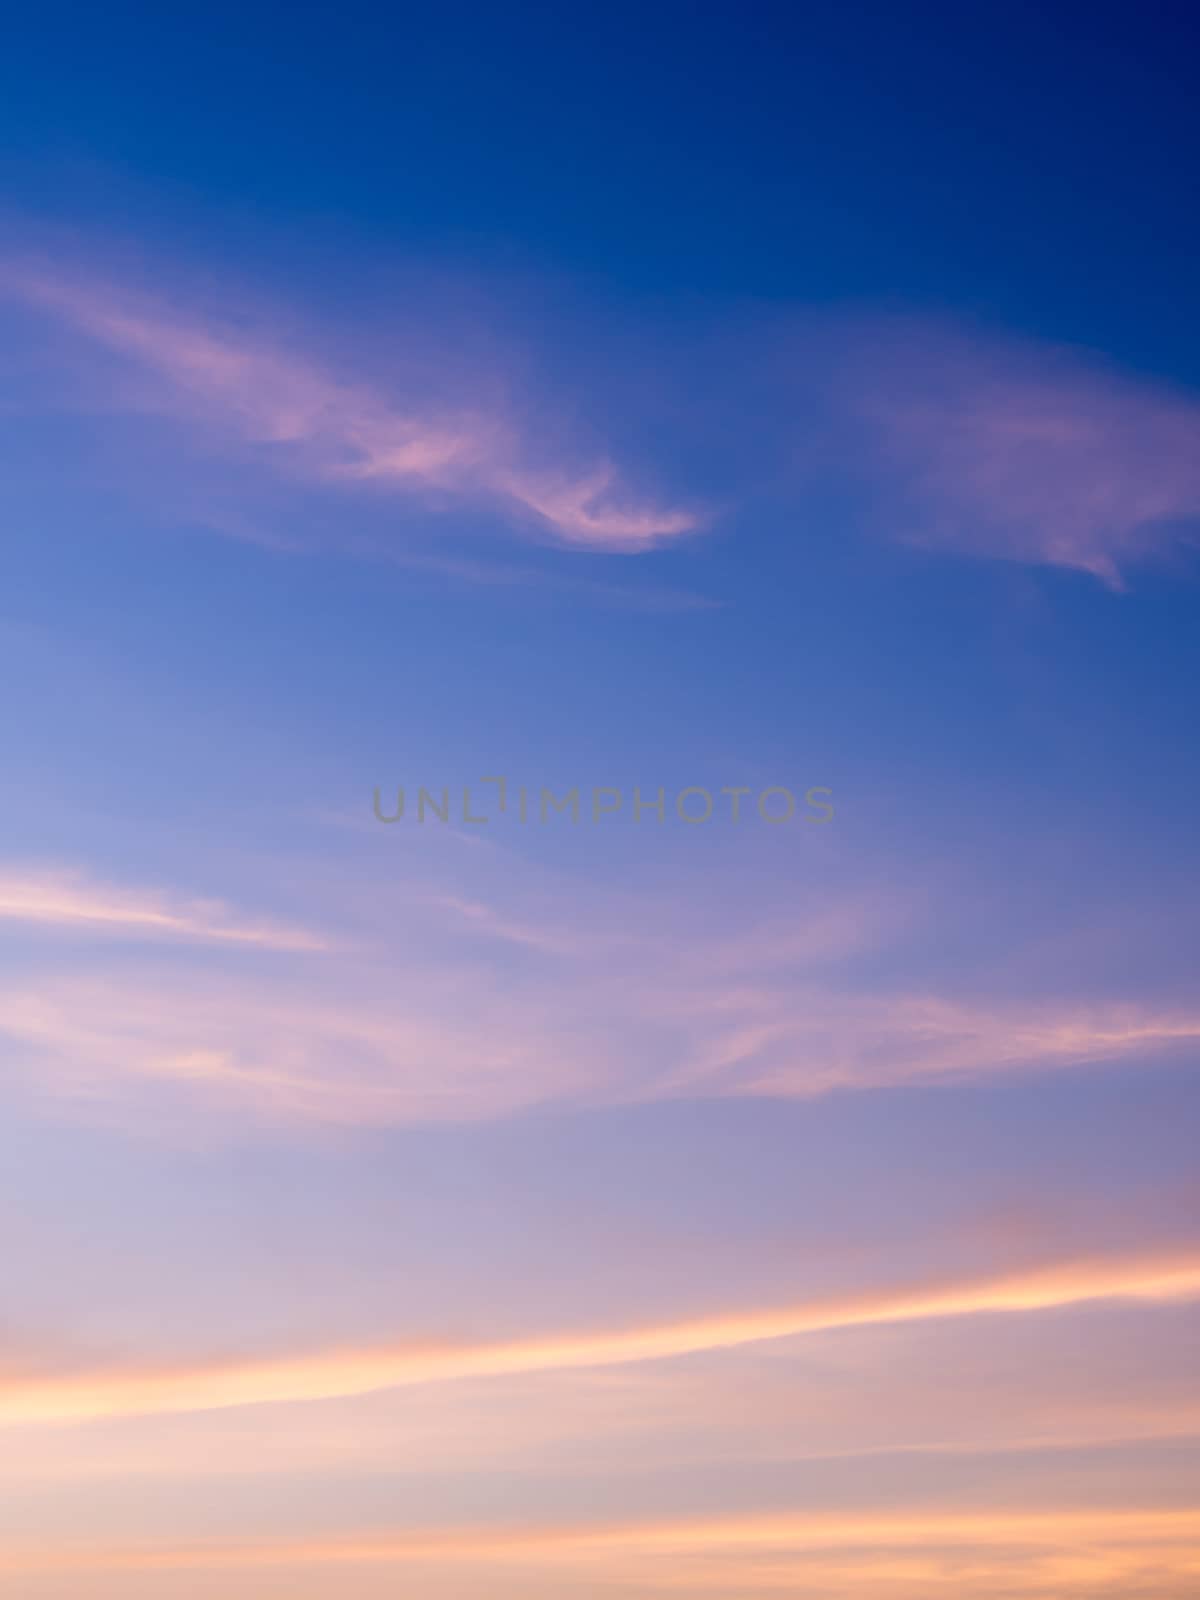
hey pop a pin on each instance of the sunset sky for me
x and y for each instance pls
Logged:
(796, 402)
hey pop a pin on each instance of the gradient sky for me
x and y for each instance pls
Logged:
(717, 397)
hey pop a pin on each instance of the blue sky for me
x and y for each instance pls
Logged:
(710, 398)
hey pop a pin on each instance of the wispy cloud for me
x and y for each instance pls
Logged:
(338, 428)
(72, 902)
(559, 1017)
(208, 1049)
(961, 1396)
(802, 1044)
(340, 1373)
(975, 443)
(996, 447)
(1103, 1539)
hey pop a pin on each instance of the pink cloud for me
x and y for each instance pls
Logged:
(1024, 452)
(623, 1006)
(340, 429)
(973, 443)
(72, 902)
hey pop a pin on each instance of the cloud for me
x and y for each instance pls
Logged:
(588, 511)
(341, 1373)
(1097, 1537)
(967, 442)
(942, 1400)
(70, 901)
(803, 1044)
(313, 422)
(623, 1005)
(560, 1016)
(323, 1050)
(564, 1011)
(994, 447)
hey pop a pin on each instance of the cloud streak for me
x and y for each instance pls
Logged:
(343, 1045)
(1093, 1528)
(336, 1374)
(340, 429)
(71, 902)
(802, 1045)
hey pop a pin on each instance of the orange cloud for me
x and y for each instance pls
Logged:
(950, 1392)
(339, 1373)
(1092, 1529)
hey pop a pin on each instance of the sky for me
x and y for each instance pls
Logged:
(598, 884)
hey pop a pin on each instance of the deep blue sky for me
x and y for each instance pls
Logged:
(1033, 163)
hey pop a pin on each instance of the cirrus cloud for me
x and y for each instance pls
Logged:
(325, 424)
(1017, 450)
(71, 901)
